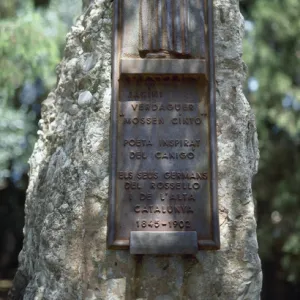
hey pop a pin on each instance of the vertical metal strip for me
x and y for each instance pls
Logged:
(153, 25)
(202, 29)
(148, 17)
(212, 123)
(113, 133)
(182, 24)
(144, 30)
(160, 22)
(140, 28)
(187, 49)
(177, 26)
(169, 28)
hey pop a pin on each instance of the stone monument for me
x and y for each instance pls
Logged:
(65, 253)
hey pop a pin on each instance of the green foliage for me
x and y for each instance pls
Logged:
(29, 48)
(31, 44)
(7, 8)
(272, 52)
(17, 135)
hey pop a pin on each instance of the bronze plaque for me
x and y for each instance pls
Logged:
(163, 175)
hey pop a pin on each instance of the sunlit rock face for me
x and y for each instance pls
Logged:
(64, 254)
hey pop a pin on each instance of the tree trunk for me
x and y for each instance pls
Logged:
(64, 254)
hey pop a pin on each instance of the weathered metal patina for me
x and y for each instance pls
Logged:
(163, 161)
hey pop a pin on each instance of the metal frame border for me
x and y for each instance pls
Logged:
(214, 243)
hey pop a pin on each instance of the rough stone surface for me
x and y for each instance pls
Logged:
(64, 255)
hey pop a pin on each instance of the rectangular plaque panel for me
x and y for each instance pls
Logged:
(163, 133)
(163, 242)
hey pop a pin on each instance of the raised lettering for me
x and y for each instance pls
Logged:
(169, 209)
(144, 196)
(186, 121)
(137, 155)
(143, 121)
(132, 185)
(125, 175)
(175, 185)
(174, 155)
(137, 143)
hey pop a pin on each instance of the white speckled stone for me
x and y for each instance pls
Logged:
(85, 98)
